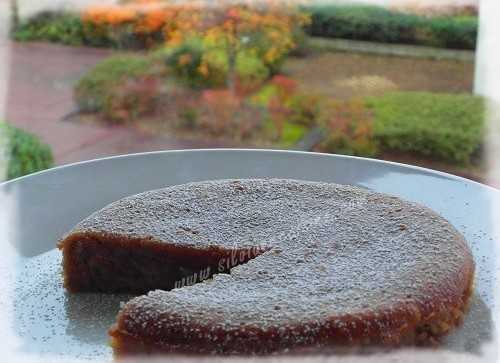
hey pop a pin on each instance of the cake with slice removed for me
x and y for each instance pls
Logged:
(258, 266)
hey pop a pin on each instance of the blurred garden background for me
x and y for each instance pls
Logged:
(393, 82)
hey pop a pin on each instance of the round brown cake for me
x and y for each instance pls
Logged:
(261, 266)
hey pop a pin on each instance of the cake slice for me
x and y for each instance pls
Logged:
(263, 266)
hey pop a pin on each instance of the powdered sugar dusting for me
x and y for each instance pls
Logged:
(336, 254)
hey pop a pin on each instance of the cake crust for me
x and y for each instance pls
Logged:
(311, 265)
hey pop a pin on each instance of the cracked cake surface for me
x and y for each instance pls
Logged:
(311, 265)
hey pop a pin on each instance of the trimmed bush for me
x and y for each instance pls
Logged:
(441, 126)
(104, 86)
(445, 127)
(452, 32)
(373, 23)
(63, 28)
(25, 153)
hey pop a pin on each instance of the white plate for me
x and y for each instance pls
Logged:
(39, 321)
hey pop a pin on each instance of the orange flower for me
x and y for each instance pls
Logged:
(152, 20)
(222, 26)
(96, 14)
(120, 14)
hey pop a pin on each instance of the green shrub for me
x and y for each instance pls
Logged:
(185, 61)
(289, 136)
(453, 32)
(25, 153)
(442, 126)
(361, 22)
(292, 134)
(46, 26)
(201, 66)
(132, 99)
(97, 90)
(64, 28)
(217, 66)
(373, 23)
(251, 71)
(263, 96)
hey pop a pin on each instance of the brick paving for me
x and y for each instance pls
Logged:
(39, 95)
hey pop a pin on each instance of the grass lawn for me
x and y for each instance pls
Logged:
(346, 75)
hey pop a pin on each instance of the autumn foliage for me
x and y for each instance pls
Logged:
(229, 24)
(232, 54)
(349, 128)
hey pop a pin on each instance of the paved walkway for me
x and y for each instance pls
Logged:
(400, 50)
(39, 95)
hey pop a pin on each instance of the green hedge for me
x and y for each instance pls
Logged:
(25, 153)
(441, 126)
(63, 28)
(373, 23)
(95, 90)
(360, 22)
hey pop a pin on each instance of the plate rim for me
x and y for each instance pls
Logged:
(252, 150)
